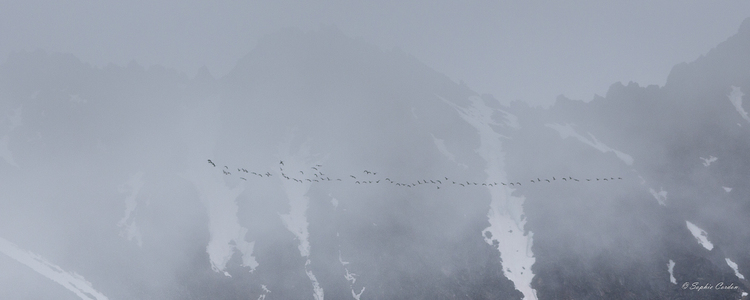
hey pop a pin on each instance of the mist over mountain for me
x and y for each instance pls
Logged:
(324, 167)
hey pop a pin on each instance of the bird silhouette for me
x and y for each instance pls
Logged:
(547, 180)
(281, 162)
(212, 163)
(243, 178)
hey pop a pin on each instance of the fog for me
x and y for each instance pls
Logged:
(421, 151)
(511, 49)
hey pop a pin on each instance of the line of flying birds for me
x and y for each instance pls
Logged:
(316, 175)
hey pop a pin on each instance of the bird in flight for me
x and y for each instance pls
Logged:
(281, 162)
(212, 163)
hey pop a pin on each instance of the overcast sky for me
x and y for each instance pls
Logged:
(530, 50)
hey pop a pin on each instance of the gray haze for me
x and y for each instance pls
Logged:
(364, 159)
(532, 51)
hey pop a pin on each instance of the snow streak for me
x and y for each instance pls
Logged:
(296, 220)
(71, 281)
(506, 211)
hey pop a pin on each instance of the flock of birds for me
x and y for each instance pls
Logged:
(316, 175)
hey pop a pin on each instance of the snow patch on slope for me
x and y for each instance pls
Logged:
(568, 131)
(266, 291)
(707, 161)
(226, 233)
(350, 277)
(734, 266)
(700, 235)
(505, 216)
(736, 98)
(670, 268)
(71, 281)
(660, 196)
(296, 220)
(128, 228)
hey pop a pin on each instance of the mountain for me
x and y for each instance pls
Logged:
(324, 167)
